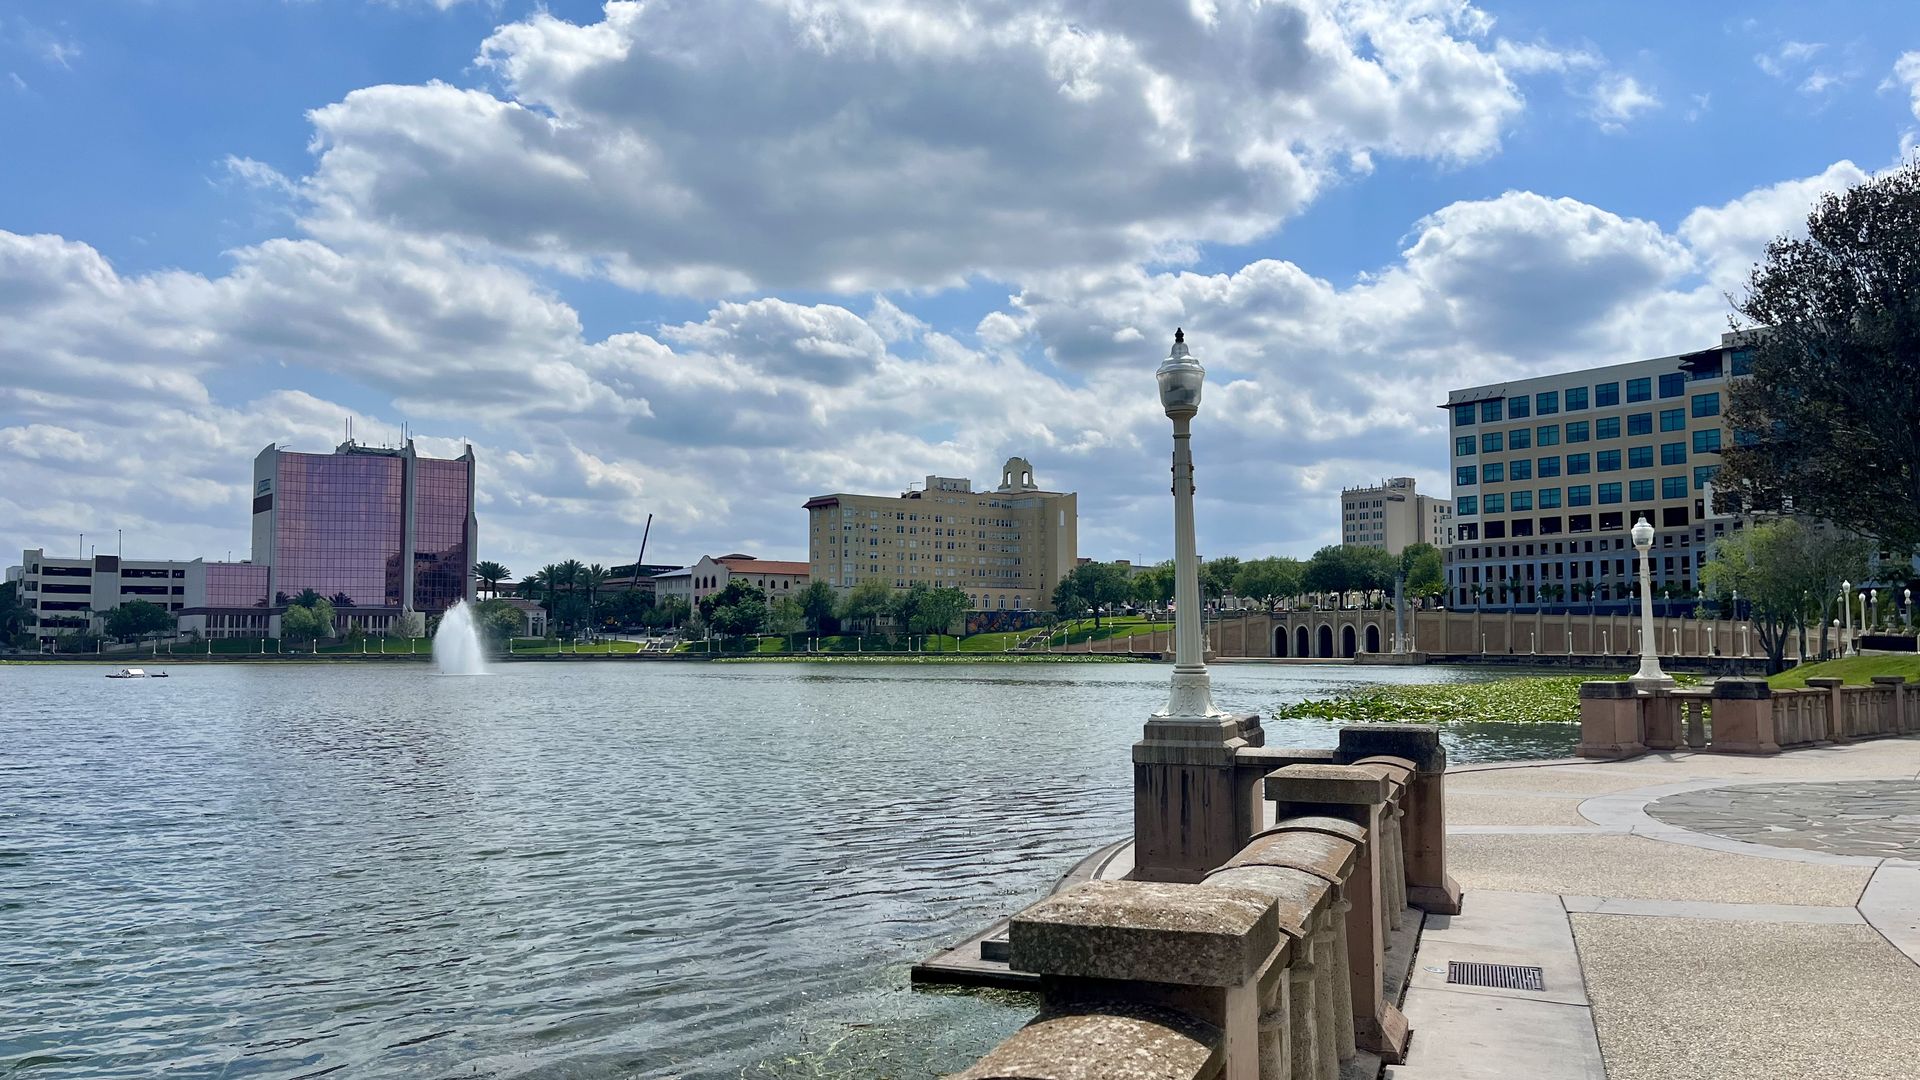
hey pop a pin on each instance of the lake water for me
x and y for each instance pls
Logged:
(559, 870)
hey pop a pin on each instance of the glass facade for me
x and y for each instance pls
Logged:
(440, 557)
(235, 585)
(338, 528)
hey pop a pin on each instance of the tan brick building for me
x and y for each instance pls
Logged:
(1004, 548)
(1391, 515)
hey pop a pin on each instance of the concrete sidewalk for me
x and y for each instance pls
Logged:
(1694, 915)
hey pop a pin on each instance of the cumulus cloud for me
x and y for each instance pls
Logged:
(1617, 98)
(857, 144)
(1906, 75)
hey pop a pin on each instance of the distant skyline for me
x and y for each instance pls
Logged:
(706, 260)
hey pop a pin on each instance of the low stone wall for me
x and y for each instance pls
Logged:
(1272, 965)
(1741, 716)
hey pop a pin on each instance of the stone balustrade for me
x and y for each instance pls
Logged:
(1741, 716)
(1271, 966)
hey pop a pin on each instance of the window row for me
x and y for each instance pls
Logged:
(1576, 398)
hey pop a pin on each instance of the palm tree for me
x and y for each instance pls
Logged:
(340, 600)
(490, 575)
(594, 578)
(568, 576)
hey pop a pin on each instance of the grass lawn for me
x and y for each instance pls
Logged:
(550, 646)
(1854, 669)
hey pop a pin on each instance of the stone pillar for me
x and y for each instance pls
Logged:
(1743, 720)
(1346, 801)
(1610, 722)
(1199, 950)
(1837, 730)
(1660, 713)
(1903, 720)
(1189, 813)
(1423, 835)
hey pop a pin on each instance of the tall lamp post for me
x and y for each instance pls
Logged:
(1189, 815)
(1649, 674)
(1846, 610)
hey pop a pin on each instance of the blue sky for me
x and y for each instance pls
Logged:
(704, 260)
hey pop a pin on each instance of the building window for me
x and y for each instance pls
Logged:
(1463, 446)
(1549, 498)
(1463, 476)
(1577, 464)
(1546, 402)
(1639, 490)
(1639, 390)
(1496, 504)
(1517, 408)
(1703, 475)
(1576, 398)
(1706, 441)
(1673, 384)
(1462, 415)
(1609, 493)
(1549, 466)
(1491, 443)
(1640, 423)
(1577, 431)
(1519, 439)
(1606, 393)
(1743, 361)
(1673, 419)
(1520, 470)
(1547, 436)
(1706, 404)
(1468, 504)
(1523, 500)
(1494, 472)
(1639, 457)
(1607, 427)
(1673, 487)
(1490, 411)
(1609, 460)
(1673, 453)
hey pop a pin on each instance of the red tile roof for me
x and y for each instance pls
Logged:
(742, 565)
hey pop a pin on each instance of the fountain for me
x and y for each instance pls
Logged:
(456, 644)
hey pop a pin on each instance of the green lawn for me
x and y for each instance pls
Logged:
(1854, 669)
(551, 646)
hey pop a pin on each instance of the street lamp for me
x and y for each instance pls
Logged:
(1191, 698)
(1649, 672)
(1863, 617)
(1846, 610)
(1873, 604)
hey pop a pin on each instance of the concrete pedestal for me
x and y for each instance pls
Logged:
(1190, 815)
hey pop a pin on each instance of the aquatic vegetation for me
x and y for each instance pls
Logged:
(1548, 699)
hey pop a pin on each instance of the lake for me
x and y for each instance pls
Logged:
(560, 869)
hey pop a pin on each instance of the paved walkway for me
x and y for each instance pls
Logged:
(1694, 915)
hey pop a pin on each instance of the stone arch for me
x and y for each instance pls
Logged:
(1326, 642)
(1346, 641)
(1280, 641)
(1373, 638)
(1302, 641)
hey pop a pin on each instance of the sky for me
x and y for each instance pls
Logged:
(705, 259)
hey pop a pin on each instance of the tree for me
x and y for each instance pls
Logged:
(1777, 567)
(307, 622)
(1269, 579)
(1103, 585)
(1216, 576)
(1830, 420)
(138, 620)
(786, 616)
(489, 575)
(1154, 585)
(1068, 603)
(593, 579)
(737, 610)
(817, 604)
(1373, 570)
(940, 608)
(405, 626)
(628, 607)
(1332, 569)
(497, 620)
(307, 598)
(13, 613)
(1425, 570)
(866, 602)
(566, 580)
(340, 600)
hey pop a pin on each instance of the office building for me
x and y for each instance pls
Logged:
(692, 584)
(1391, 515)
(74, 595)
(1004, 548)
(1550, 473)
(379, 530)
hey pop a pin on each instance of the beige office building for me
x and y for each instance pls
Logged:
(1004, 548)
(1391, 515)
(1550, 474)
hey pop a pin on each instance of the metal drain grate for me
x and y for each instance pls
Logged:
(1503, 976)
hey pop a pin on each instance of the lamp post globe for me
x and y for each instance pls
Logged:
(1181, 377)
(1649, 674)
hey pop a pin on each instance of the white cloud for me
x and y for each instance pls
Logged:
(1906, 75)
(1617, 98)
(1729, 239)
(905, 143)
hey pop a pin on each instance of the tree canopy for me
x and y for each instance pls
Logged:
(1787, 572)
(137, 620)
(1269, 579)
(307, 621)
(866, 602)
(817, 604)
(1425, 570)
(1830, 420)
(737, 610)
